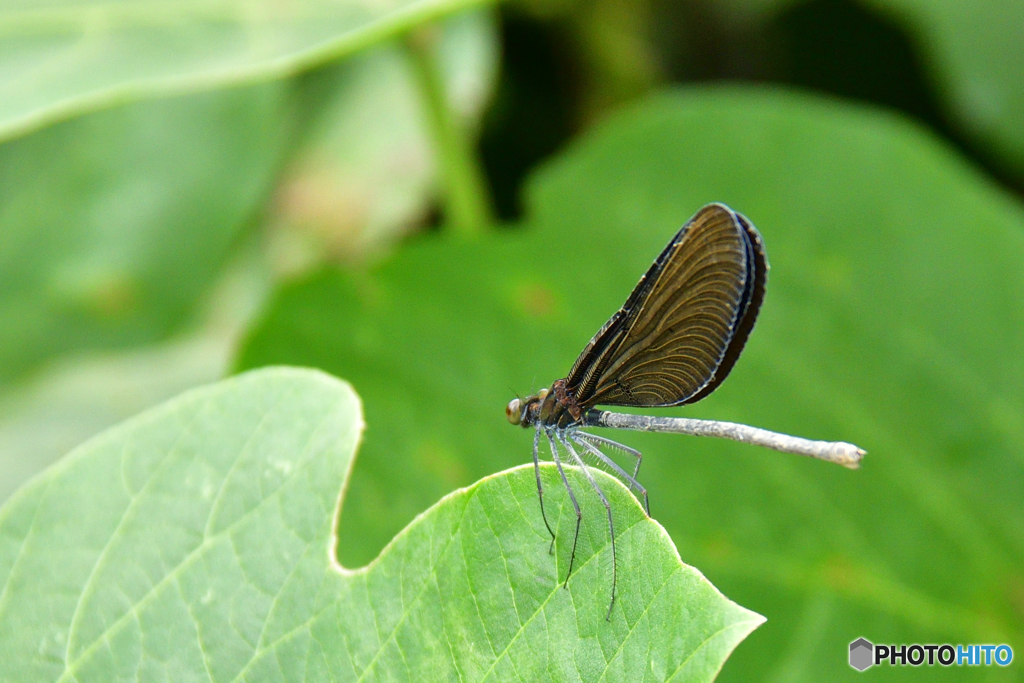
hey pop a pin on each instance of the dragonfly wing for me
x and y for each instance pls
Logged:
(756, 281)
(685, 323)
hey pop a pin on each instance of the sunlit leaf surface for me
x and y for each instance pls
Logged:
(195, 542)
(65, 57)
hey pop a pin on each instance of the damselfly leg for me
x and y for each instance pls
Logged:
(590, 444)
(572, 497)
(607, 506)
(540, 489)
(601, 441)
(584, 439)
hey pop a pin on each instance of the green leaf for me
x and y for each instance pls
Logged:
(974, 51)
(74, 399)
(892, 321)
(195, 542)
(971, 50)
(116, 223)
(67, 57)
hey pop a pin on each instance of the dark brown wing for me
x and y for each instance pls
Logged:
(748, 315)
(685, 323)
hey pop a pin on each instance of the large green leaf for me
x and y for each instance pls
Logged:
(196, 542)
(971, 49)
(892, 320)
(974, 51)
(116, 223)
(65, 57)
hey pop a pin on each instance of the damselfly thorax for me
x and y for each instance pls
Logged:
(554, 408)
(672, 342)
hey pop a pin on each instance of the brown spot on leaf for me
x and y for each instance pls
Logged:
(842, 575)
(112, 296)
(536, 300)
(1015, 591)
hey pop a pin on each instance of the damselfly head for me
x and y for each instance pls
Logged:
(526, 411)
(512, 411)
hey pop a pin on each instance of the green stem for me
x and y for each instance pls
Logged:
(467, 201)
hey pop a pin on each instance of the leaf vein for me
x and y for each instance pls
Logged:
(101, 558)
(552, 594)
(181, 566)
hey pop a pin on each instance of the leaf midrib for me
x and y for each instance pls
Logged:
(118, 15)
(374, 30)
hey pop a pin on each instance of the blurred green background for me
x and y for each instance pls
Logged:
(442, 201)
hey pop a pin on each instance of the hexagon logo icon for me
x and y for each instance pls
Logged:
(861, 654)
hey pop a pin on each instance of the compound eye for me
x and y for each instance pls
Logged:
(512, 411)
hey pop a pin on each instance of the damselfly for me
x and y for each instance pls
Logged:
(672, 343)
